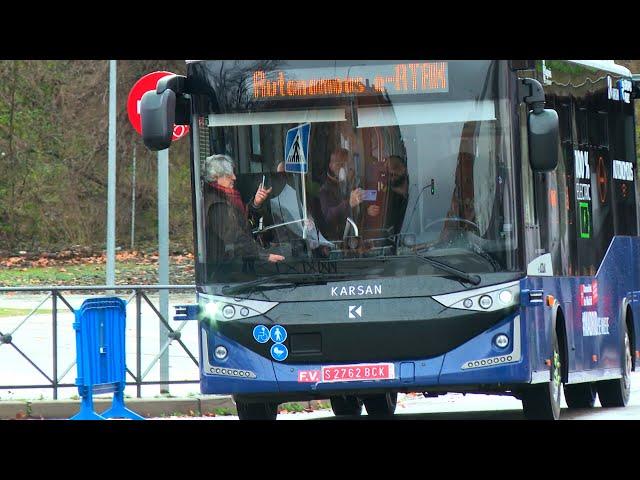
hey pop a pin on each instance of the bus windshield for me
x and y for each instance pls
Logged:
(366, 165)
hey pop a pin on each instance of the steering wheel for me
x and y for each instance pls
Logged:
(455, 219)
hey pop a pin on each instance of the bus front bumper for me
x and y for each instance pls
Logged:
(478, 362)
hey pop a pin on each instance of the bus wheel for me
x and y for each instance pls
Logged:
(581, 395)
(616, 393)
(346, 405)
(542, 401)
(257, 411)
(381, 405)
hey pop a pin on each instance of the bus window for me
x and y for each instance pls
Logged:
(624, 175)
(582, 127)
(566, 131)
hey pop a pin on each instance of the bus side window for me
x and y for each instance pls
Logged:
(624, 186)
(566, 131)
(582, 127)
(598, 129)
(564, 196)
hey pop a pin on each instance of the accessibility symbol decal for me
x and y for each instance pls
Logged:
(278, 334)
(297, 149)
(279, 352)
(261, 334)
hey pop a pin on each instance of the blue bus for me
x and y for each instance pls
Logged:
(364, 228)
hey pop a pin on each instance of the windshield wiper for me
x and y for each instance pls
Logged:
(292, 279)
(469, 277)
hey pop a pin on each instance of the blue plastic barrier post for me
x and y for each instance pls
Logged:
(100, 349)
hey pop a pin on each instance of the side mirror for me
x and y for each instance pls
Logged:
(157, 114)
(543, 127)
(543, 140)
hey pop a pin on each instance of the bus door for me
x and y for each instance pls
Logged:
(535, 248)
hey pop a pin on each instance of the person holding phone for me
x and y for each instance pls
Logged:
(261, 194)
(339, 197)
(230, 232)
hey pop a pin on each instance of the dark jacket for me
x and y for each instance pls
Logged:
(229, 231)
(335, 209)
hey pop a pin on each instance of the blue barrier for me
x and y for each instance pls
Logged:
(100, 349)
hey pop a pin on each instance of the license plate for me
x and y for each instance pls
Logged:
(354, 373)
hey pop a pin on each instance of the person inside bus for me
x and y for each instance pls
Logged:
(229, 220)
(398, 192)
(339, 197)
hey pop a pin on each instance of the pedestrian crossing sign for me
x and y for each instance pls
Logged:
(297, 149)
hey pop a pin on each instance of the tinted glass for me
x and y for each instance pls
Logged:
(366, 164)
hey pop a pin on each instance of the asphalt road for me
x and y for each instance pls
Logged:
(472, 407)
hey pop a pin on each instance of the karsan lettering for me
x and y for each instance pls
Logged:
(623, 170)
(356, 290)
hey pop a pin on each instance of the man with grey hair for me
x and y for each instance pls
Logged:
(228, 218)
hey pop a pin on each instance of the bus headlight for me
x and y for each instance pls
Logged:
(506, 297)
(485, 302)
(221, 352)
(228, 311)
(217, 308)
(501, 341)
(211, 310)
(484, 299)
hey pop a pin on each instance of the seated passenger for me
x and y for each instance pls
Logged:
(228, 219)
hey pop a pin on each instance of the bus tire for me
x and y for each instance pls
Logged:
(383, 405)
(542, 401)
(257, 411)
(346, 405)
(616, 393)
(581, 395)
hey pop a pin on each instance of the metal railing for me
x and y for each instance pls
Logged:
(138, 293)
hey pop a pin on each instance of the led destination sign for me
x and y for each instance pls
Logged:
(400, 78)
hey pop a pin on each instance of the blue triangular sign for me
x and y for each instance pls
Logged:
(297, 149)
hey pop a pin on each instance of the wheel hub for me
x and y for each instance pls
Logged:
(627, 364)
(555, 374)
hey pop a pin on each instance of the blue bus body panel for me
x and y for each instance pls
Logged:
(593, 330)
(238, 358)
(481, 348)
